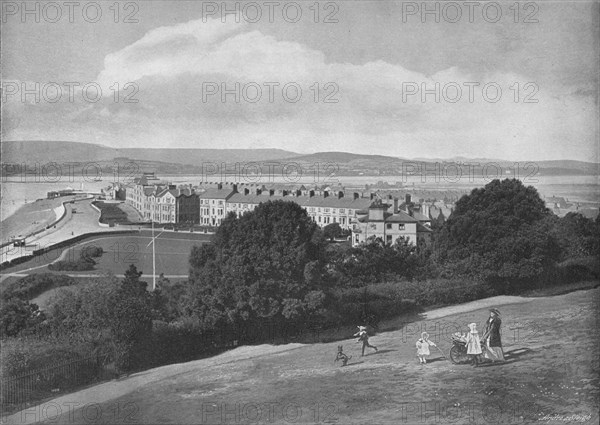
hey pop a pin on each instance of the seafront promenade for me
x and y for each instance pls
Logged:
(74, 219)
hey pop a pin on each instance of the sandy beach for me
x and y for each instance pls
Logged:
(31, 218)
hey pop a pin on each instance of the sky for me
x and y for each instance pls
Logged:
(506, 80)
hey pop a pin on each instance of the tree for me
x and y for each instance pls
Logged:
(332, 230)
(499, 232)
(373, 260)
(258, 267)
(130, 321)
(18, 315)
(578, 236)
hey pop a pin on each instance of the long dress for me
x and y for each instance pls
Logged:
(493, 342)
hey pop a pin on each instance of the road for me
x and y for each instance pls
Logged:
(80, 219)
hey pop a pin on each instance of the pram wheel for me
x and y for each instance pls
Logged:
(458, 355)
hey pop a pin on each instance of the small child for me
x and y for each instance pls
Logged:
(364, 338)
(473, 345)
(342, 356)
(423, 344)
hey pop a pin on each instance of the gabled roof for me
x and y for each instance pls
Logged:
(400, 217)
(216, 194)
(303, 201)
(423, 229)
(420, 217)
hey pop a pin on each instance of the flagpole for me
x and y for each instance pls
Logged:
(153, 259)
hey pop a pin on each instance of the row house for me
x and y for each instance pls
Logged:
(160, 206)
(328, 209)
(162, 203)
(213, 204)
(187, 206)
(139, 190)
(323, 210)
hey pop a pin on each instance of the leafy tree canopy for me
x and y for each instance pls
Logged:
(260, 265)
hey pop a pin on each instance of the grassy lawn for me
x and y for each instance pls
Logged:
(172, 253)
(552, 351)
(111, 213)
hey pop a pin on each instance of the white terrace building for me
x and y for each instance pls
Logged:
(323, 209)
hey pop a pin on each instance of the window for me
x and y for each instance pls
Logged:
(401, 226)
(388, 226)
(342, 211)
(388, 239)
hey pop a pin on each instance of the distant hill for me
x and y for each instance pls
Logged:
(58, 151)
(341, 157)
(189, 161)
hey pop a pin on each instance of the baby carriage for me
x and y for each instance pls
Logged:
(458, 351)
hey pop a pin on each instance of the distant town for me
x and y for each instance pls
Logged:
(385, 210)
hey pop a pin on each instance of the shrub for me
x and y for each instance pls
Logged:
(82, 264)
(33, 285)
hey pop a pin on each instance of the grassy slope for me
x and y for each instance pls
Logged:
(551, 345)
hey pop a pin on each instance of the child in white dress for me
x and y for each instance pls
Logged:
(423, 344)
(473, 345)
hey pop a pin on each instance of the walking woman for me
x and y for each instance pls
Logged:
(491, 337)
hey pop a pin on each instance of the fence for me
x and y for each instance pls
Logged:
(18, 391)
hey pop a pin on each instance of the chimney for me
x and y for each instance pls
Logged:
(325, 194)
(355, 195)
(372, 196)
(407, 198)
(340, 194)
(311, 193)
(390, 197)
(395, 205)
(246, 191)
(234, 187)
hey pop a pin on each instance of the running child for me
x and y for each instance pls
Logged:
(364, 338)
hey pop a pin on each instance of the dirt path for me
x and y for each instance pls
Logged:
(551, 346)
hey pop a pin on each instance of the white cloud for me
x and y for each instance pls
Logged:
(371, 116)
